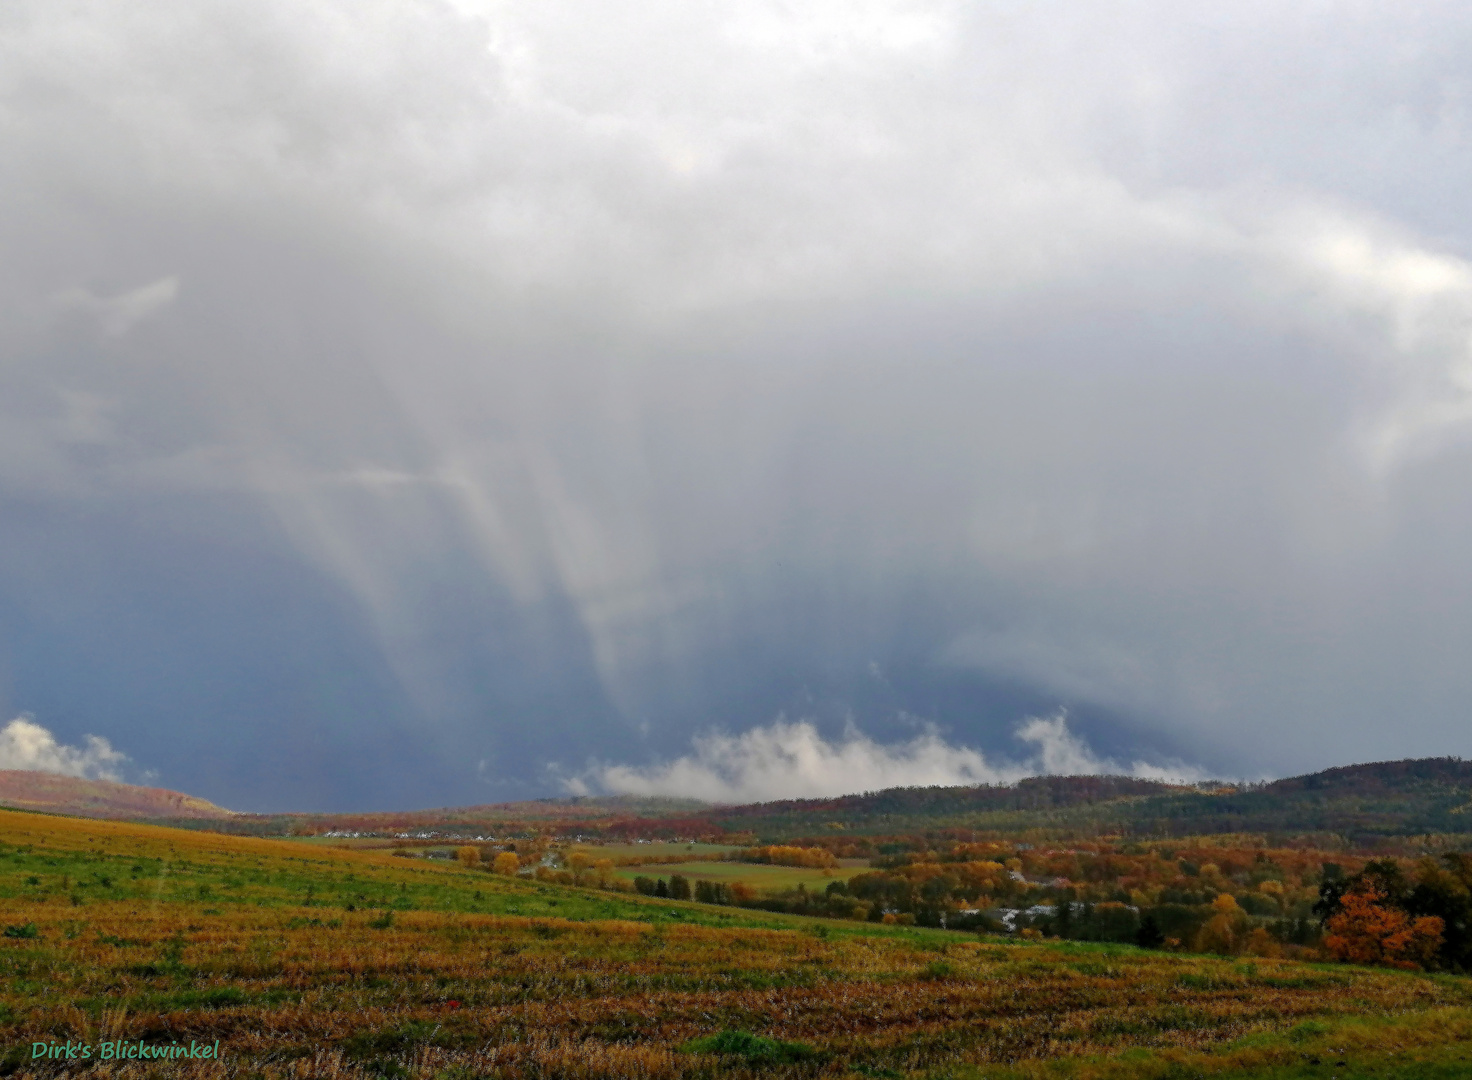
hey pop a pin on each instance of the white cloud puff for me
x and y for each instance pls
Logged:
(792, 760)
(27, 746)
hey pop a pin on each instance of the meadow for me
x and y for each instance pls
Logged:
(318, 961)
(656, 850)
(762, 878)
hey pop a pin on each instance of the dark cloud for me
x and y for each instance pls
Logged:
(398, 400)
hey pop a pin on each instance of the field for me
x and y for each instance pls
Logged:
(762, 877)
(320, 961)
(654, 850)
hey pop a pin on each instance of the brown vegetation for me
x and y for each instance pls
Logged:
(54, 794)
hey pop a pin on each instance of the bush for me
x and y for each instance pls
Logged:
(506, 863)
(26, 930)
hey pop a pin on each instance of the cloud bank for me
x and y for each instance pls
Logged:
(27, 746)
(788, 760)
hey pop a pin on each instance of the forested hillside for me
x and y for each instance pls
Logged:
(1361, 806)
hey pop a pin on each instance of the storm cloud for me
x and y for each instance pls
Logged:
(398, 399)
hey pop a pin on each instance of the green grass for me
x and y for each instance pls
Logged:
(656, 849)
(752, 1049)
(227, 873)
(757, 875)
(365, 952)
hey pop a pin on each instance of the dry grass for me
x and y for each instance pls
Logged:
(292, 990)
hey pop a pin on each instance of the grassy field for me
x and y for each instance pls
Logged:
(655, 849)
(317, 961)
(761, 877)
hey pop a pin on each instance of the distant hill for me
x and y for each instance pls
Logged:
(1371, 806)
(99, 798)
(1359, 805)
(1363, 804)
(569, 816)
(1381, 777)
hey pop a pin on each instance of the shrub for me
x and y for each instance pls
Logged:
(506, 863)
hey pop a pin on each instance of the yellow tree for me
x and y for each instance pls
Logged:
(506, 863)
(1223, 931)
(578, 862)
(469, 856)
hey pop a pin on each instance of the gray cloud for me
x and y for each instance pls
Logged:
(116, 315)
(563, 377)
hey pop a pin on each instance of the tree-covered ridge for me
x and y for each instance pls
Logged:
(1365, 806)
(1361, 805)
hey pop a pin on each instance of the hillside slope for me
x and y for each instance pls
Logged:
(287, 960)
(1361, 805)
(1365, 806)
(100, 798)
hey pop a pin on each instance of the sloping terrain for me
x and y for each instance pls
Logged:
(99, 798)
(299, 960)
(1364, 806)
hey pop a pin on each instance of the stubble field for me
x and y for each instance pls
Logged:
(322, 962)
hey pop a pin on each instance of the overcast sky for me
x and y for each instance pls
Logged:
(414, 403)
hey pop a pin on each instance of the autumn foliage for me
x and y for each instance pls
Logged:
(310, 961)
(783, 855)
(1366, 930)
(506, 863)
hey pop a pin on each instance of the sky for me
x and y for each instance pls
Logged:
(423, 403)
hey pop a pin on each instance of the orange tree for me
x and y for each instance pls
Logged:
(1366, 930)
(1407, 909)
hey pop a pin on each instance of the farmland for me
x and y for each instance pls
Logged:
(763, 878)
(309, 961)
(657, 851)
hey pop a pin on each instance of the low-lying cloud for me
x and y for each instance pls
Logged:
(27, 746)
(788, 760)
